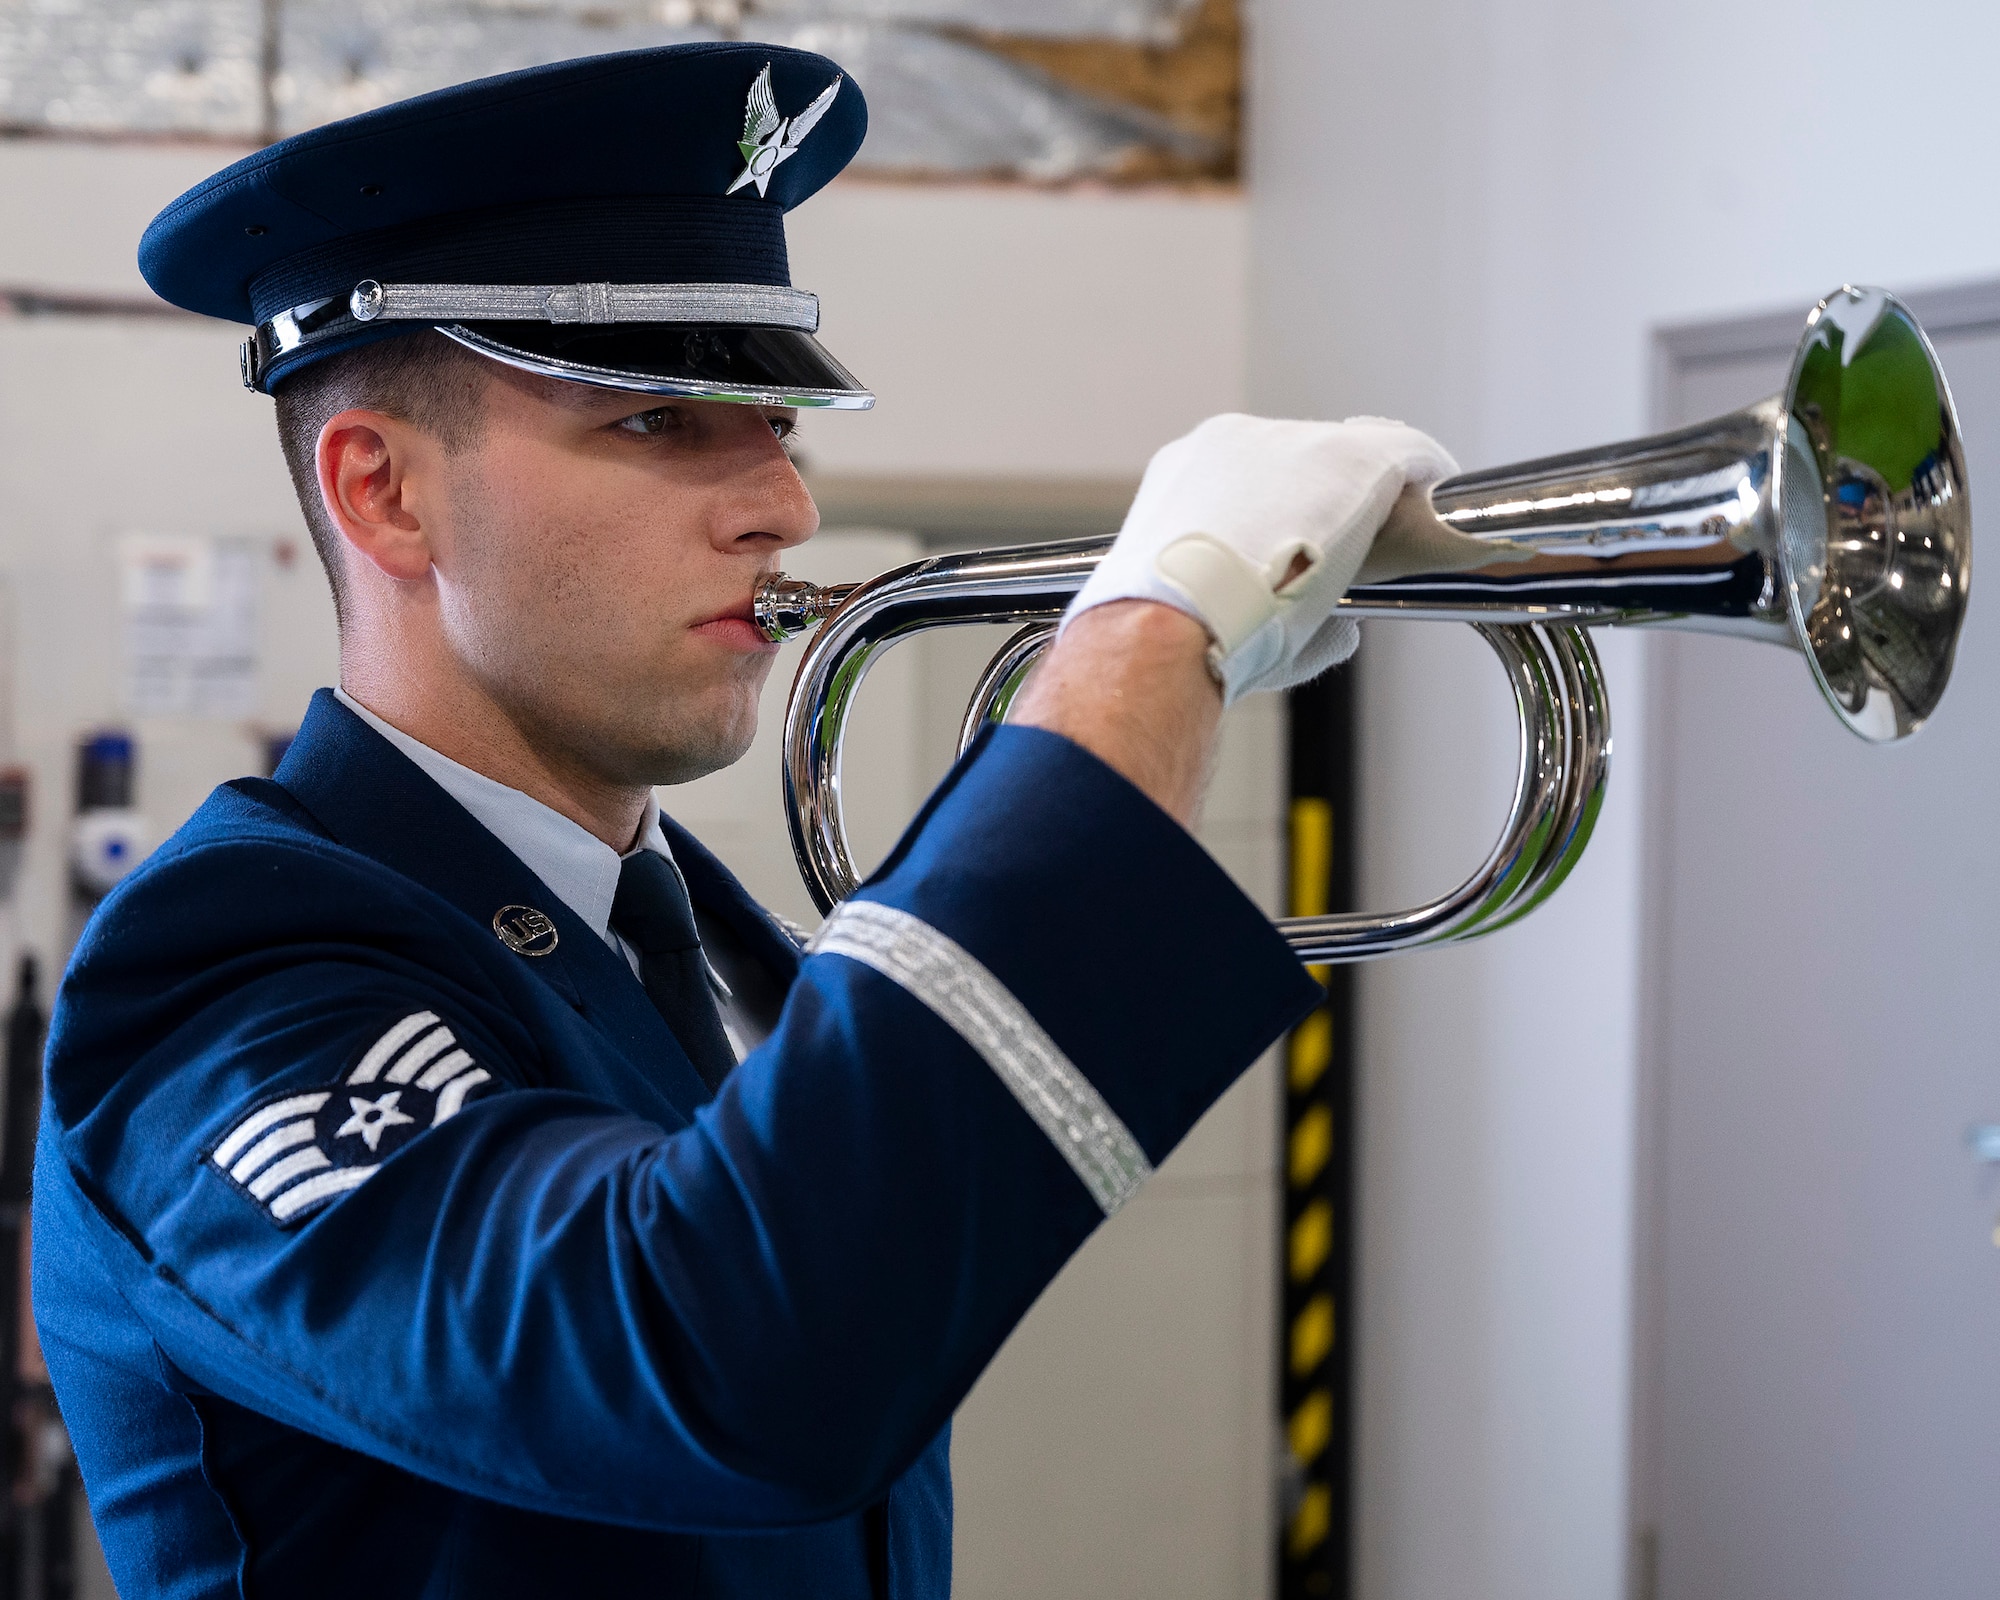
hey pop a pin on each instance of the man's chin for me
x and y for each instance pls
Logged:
(695, 752)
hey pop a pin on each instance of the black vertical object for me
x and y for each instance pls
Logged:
(104, 771)
(1316, 1246)
(26, 1025)
(105, 762)
(58, 1532)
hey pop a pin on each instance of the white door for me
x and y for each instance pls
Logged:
(1819, 1299)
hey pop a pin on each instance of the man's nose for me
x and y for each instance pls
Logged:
(781, 508)
(800, 518)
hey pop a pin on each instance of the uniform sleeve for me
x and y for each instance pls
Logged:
(330, 1175)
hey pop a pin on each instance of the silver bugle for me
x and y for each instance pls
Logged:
(1832, 517)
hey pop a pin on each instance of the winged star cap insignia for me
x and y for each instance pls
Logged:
(770, 140)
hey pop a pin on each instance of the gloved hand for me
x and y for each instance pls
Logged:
(1256, 528)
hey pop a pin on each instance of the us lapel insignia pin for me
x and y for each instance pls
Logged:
(524, 930)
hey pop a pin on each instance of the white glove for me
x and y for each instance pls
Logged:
(1225, 513)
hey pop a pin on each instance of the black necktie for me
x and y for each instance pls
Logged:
(651, 913)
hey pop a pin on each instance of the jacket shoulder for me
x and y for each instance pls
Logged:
(249, 870)
(243, 835)
(249, 889)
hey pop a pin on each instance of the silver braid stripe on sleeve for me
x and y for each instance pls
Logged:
(765, 305)
(946, 978)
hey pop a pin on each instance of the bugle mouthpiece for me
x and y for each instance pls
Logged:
(786, 607)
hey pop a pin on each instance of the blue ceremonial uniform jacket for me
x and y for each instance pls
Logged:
(376, 1256)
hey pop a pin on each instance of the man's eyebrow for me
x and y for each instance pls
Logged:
(589, 397)
(589, 400)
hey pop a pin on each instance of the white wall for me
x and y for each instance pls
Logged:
(1009, 332)
(1470, 213)
(1013, 331)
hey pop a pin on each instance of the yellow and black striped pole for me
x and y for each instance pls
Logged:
(1316, 1248)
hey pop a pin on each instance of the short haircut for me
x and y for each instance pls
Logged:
(423, 379)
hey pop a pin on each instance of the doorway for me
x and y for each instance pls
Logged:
(1818, 1294)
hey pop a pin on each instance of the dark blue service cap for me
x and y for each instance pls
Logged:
(616, 220)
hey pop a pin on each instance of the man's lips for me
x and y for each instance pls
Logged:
(735, 627)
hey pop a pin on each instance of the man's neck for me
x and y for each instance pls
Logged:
(469, 727)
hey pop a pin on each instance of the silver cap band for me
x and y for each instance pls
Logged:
(728, 304)
(764, 305)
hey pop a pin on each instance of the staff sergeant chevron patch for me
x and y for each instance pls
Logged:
(294, 1154)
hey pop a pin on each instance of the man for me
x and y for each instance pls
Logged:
(450, 1182)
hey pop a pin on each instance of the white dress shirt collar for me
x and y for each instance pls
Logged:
(579, 868)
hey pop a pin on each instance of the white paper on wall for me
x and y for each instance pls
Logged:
(189, 620)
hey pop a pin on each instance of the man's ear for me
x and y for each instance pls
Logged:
(364, 460)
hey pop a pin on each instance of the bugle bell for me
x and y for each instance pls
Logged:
(1832, 517)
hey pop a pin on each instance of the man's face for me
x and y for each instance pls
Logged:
(596, 553)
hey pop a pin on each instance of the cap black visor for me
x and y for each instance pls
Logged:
(754, 366)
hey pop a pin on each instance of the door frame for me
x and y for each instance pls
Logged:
(1679, 349)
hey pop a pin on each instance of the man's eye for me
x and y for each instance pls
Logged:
(787, 430)
(650, 422)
